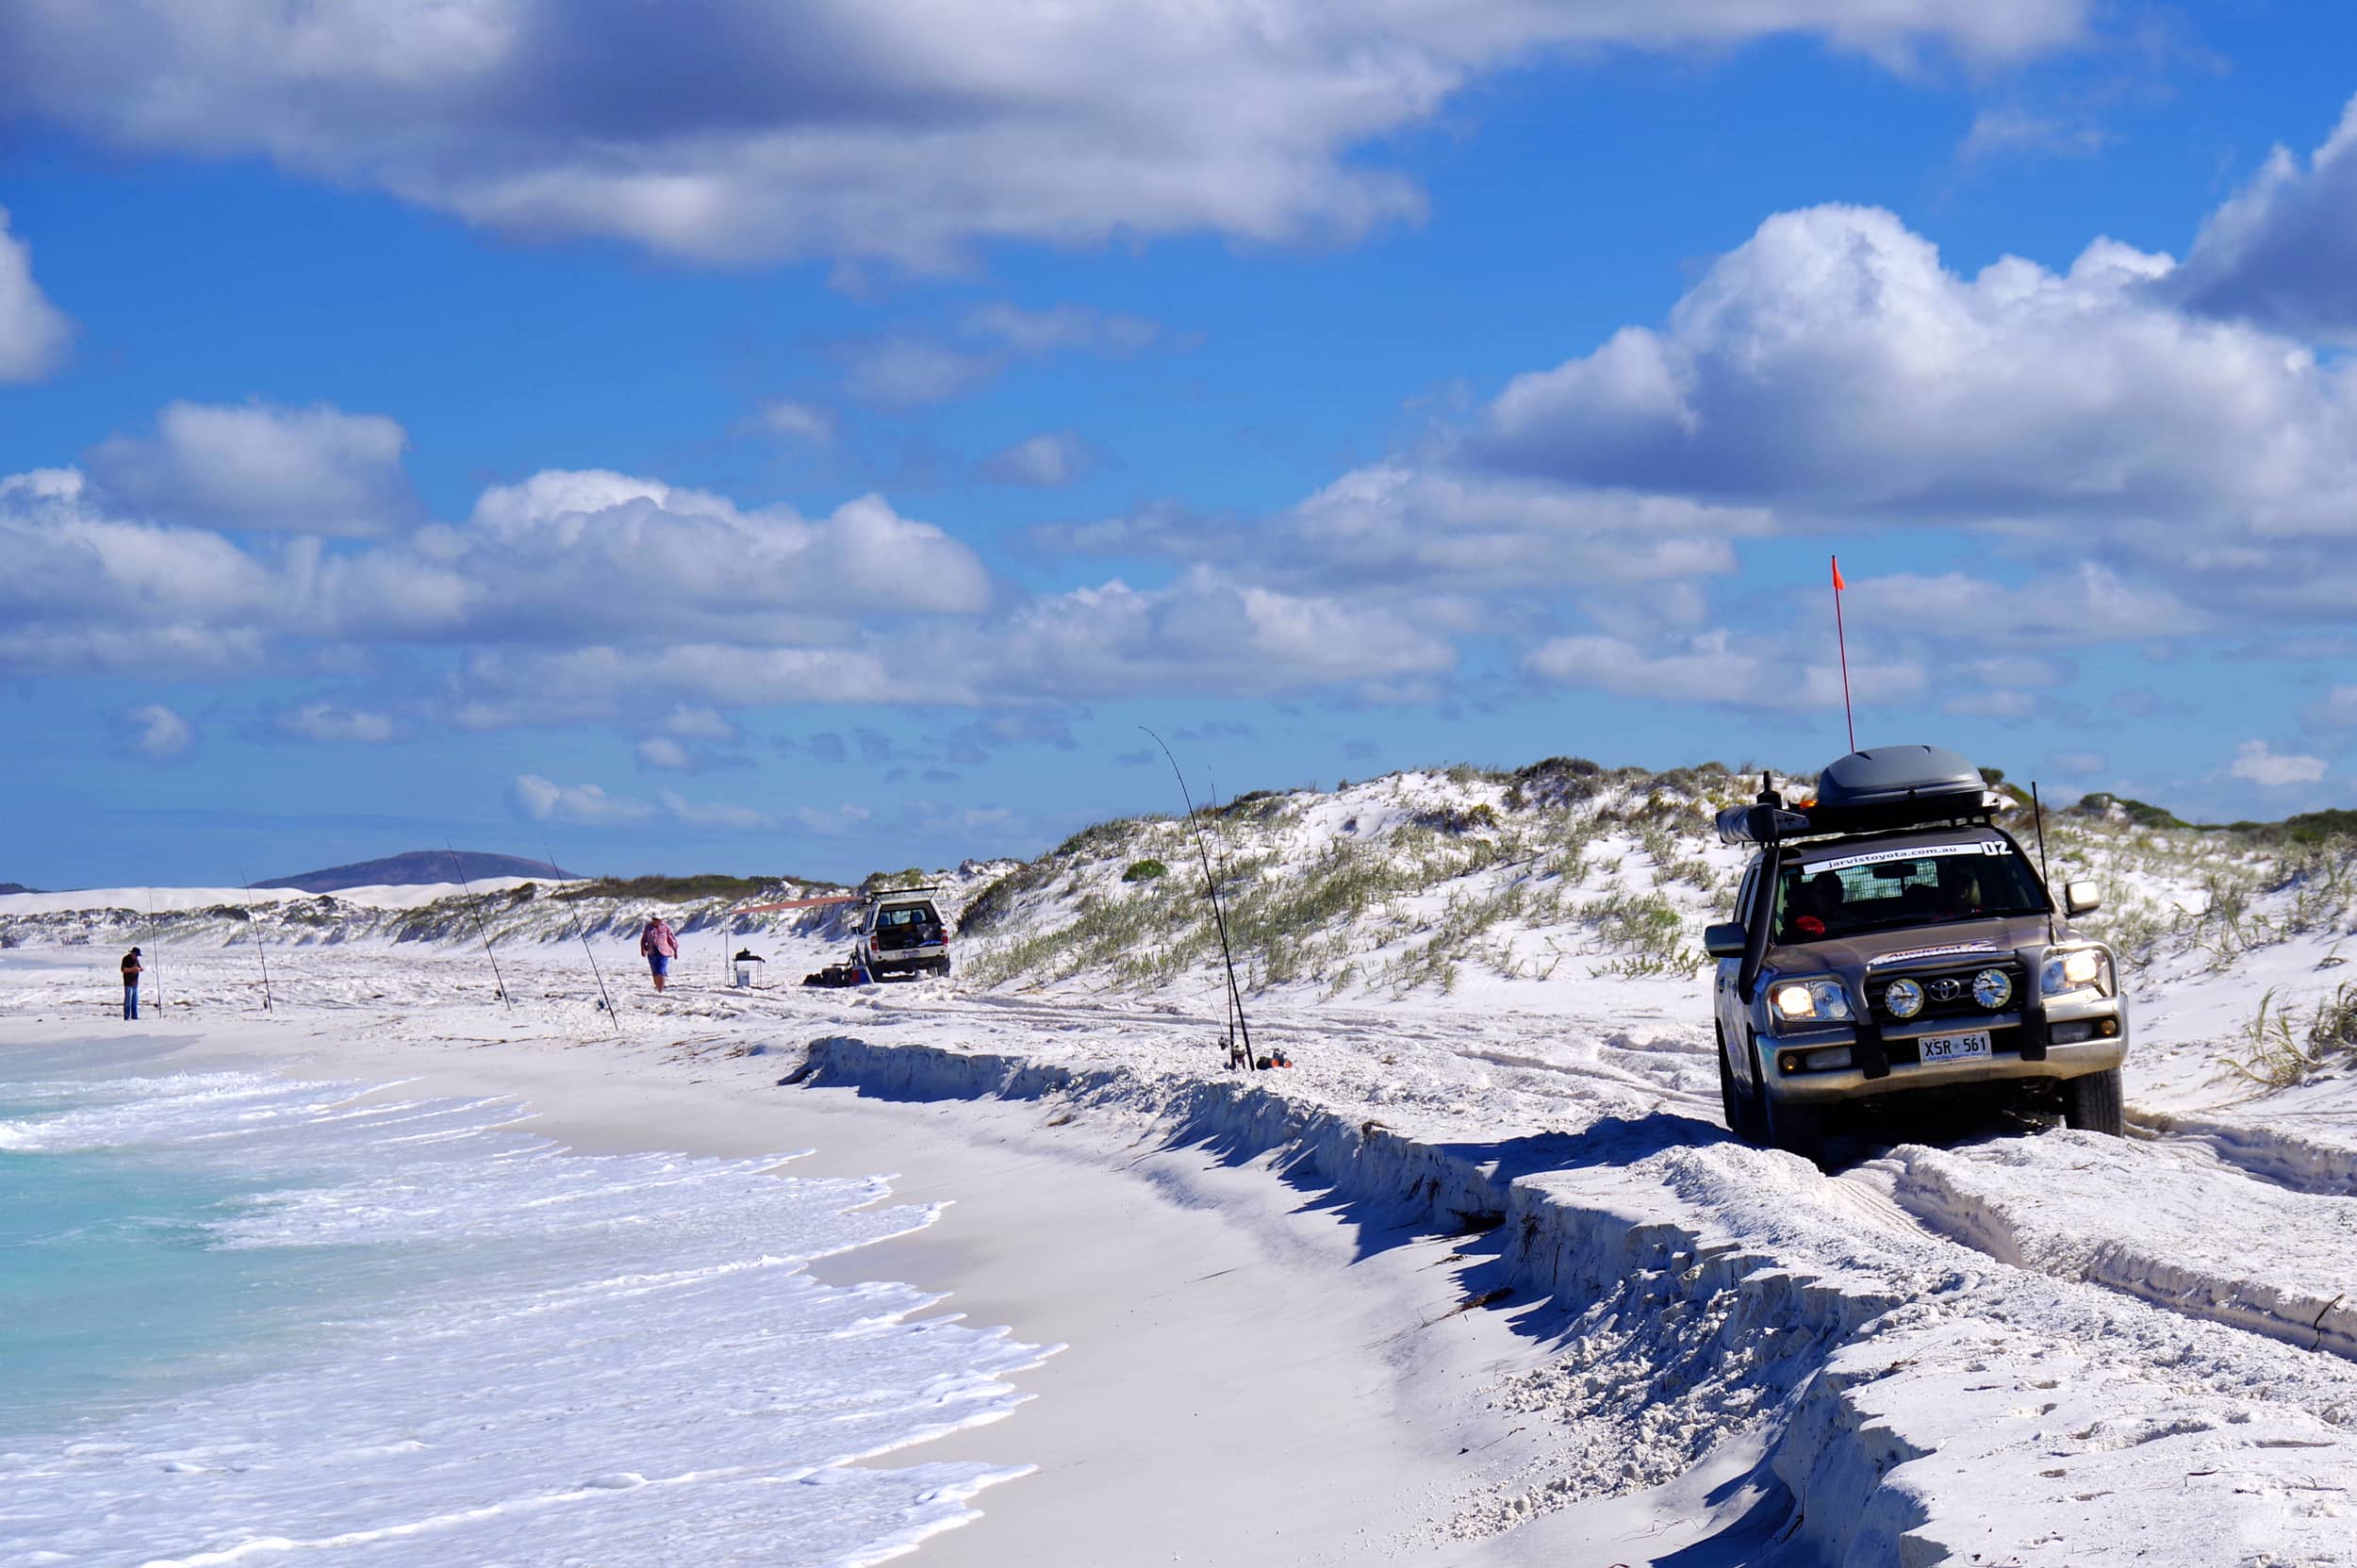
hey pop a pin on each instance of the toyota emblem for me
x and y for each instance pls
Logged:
(1945, 990)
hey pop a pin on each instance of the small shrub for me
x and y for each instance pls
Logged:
(1144, 870)
(2274, 1057)
(1456, 821)
(665, 889)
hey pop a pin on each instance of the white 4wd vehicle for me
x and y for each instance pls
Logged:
(902, 933)
(1890, 936)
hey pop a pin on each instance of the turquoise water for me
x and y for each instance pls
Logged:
(249, 1319)
(113, 1289)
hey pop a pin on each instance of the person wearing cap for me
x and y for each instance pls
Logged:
(132, 969)
(658, 947)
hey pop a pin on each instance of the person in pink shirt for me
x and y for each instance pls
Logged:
(658, 946)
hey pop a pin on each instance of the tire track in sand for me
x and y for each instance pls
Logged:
(2194, 1237)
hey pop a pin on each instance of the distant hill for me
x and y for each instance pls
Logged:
(419, 866)
(7, 887)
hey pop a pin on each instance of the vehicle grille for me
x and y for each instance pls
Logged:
(1961, 1005)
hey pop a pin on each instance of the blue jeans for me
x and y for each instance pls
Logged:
(131, 1001)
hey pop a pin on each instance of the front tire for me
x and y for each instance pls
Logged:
(1733, 1104)
(2093, 1103)
(1797, 1130)
(1782, 1124)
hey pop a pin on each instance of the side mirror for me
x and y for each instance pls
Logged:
(1726, 940)
(2082, 898)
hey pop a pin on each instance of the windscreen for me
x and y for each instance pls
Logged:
(1886, 889)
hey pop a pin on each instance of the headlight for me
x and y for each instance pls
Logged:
(2080, 970)
(1905, 998)
(1811, 1000)
(1992, 988)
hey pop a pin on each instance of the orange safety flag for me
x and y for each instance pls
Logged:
(1837, 583)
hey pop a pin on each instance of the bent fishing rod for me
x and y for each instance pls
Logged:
(253, 924)
(582, 930)
(465, 883)
(1219, 914)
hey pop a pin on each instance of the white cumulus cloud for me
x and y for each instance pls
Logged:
(900, 130)
(309, 471)
(1205, 632)
(799, 420)
(2283, 251)
(162, 734)
(586, 805)
(1717, 668)
(1043, 461)
(692, 723)
(2255, 761)
(34, 334)
(1425, 527)
(1832, 366)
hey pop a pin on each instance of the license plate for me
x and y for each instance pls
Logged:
(1953, 1048)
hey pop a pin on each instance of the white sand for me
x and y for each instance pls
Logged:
(1239, 1384)
(1923, 1346)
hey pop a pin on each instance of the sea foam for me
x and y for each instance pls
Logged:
(501, 1351)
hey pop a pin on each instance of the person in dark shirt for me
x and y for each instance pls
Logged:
(132, 969)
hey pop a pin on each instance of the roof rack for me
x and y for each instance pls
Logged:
(1882, 790)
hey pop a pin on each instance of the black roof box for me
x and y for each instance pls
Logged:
(1896, 786)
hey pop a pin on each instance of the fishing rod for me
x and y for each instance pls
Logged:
(255, 926)
(479, 926)
(1219, 915)
(156, 941)
(1210, 804)
(583, 931)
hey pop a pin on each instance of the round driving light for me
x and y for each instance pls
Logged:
(1992, 988)
(1905, 998)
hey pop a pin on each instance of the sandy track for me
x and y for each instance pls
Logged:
(2160, 1222)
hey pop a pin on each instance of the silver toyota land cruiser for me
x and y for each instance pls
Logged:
(1888, 936)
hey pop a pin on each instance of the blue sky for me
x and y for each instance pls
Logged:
(815, 438)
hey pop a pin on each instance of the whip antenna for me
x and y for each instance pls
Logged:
(2045, 873)
(1219, 915)
(479, 926)
(1842, 640)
